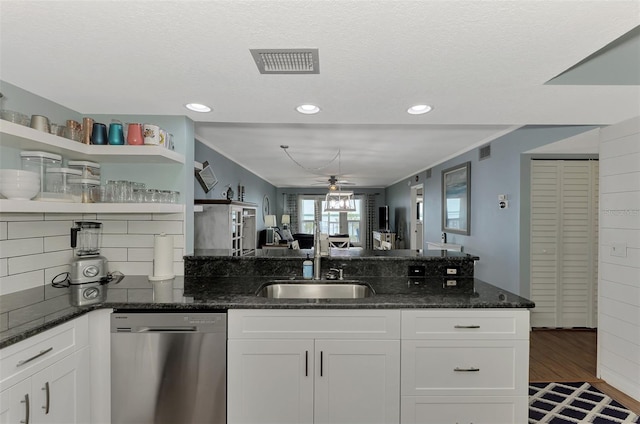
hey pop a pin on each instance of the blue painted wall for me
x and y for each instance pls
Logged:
(497, 236)
(229, 173)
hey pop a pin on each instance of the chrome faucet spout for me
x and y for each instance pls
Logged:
(339, 271)
(316, 253)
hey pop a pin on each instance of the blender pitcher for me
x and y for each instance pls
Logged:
(86, 238)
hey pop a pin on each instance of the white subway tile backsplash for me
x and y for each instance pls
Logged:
(55, 272)
(140, 254)
(114, 227)
(55, 243)
(39, 229)
(40, 261)
(19, 282)
(114, 254)
(178, 241)
(124, 217)
(132, 268)
(168, 217)
(127, 240)
(35, 248)
(155, 227)
(64, 217)
(20, 247)
(4, 267)
(21, 216)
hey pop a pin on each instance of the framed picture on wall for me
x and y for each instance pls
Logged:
(206, 177)
(456, 199)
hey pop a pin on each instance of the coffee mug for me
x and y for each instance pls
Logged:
(116, 135)
(151, 134)
(99, 134)
(87, 128)
(40, 123)
(134, 134)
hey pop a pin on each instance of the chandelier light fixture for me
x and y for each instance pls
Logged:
(339, 201)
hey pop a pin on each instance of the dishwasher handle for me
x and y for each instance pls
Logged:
(176, 329)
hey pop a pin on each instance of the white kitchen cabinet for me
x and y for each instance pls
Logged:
(15, 403)
(229, 226)
(465, 366)
(357, 381)
(46, 378)
(19, 137)
(464, 410)
(300, 366)
(270, 381)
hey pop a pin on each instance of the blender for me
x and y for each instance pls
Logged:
(89, 275)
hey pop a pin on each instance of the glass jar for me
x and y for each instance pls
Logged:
(83, 189)
(88, 169)
(58, 186)
(40, 162)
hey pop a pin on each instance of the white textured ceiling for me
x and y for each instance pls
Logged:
(481, 64)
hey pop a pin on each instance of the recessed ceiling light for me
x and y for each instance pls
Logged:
(197, 107)
(419, 109)
(308, 109)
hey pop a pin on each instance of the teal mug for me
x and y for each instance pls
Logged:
(116, 134)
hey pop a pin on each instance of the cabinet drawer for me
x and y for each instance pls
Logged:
(41, 350)
(464, 409)
(498, 368)
(465, 324)
(314, 324)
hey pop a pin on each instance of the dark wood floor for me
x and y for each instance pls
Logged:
(567, 356)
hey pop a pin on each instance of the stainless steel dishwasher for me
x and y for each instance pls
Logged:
(168, 367)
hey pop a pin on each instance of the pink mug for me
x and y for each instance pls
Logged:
(134, 134)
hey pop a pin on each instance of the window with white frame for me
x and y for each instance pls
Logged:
(332, 223)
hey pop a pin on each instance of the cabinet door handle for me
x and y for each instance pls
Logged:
(320, 363)
(42, 352)
(47, 397)
(26, 408)
(466, 326)
(306, 363)
(472, 369)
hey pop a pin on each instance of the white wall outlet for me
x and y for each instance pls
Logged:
(504, 204)
(451, 283)
(619, 249)
(452, 271)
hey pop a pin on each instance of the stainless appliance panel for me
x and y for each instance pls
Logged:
(168, 368)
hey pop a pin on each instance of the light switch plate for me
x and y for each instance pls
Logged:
(619, 249)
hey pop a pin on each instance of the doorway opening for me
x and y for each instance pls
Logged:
(416, 229)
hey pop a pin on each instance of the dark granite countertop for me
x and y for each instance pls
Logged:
(200, 293)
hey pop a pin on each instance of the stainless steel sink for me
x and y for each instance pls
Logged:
(316, 289)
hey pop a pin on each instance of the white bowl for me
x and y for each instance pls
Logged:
(20, 193)
(18, 175)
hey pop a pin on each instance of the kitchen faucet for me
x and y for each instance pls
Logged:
(316, 252)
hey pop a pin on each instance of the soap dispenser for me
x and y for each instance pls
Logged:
(307, 268)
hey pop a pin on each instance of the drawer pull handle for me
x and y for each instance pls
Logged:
(42, 352)
(472, 369)
(26, 407)
(466, 326)
(46, 389)
(321, 363)
(306, 363)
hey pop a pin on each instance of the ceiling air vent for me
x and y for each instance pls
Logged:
(286, 61)
(485, 152)
(429, 173)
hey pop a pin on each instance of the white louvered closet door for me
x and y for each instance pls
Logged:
(564, 241)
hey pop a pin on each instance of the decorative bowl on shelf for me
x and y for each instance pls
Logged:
(16, 184)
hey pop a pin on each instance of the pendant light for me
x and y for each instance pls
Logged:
(337, 200)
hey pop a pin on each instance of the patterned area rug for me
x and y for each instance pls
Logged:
(569, 403)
